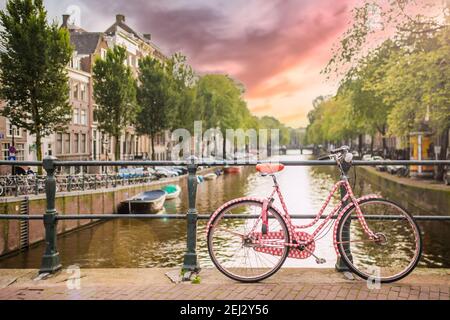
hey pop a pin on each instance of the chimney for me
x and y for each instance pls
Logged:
(66, 18)
(148, 36)
(120, 18)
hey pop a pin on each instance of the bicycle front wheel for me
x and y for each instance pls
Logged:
(241, 248)
(394, 252)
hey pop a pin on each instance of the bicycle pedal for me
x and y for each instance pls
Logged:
(321, 261)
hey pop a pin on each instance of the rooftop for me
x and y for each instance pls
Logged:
(86, 42)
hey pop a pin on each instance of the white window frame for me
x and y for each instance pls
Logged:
(17, 131)
(76, 116)
(83, 117)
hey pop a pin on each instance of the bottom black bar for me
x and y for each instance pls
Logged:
(346, 309)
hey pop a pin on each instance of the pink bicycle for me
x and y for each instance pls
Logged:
(249, 239)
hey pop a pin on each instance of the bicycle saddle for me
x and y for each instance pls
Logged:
(270, 168)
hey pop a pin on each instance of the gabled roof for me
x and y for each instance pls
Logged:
(120, 23)
(86, 42)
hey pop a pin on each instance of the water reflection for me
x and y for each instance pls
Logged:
(162, 243)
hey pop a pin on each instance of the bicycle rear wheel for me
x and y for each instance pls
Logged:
(395, 252)
(238, 247)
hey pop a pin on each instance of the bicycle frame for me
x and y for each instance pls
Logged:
(339, 208)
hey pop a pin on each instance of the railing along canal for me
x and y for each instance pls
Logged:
(51, 261)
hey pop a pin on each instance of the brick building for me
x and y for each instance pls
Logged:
(83, 140)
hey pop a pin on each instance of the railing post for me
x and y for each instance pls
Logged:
(190, 258)
(50, 260)
(16, 182)
(69, 183)
(340, 263)
(36, 184)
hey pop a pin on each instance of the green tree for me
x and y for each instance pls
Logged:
(184, 91)
(376, 21)
(219, 104)
(417, 84)
(33, 74)
(156, 98)
(115, 94)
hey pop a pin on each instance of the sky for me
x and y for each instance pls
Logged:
(275, 48)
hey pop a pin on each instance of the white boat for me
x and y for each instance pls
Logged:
(210, 176)
(147, 202)
(173, 191)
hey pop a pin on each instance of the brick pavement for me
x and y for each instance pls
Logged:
(152, 284)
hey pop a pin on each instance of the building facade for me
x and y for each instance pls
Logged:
(83, 139)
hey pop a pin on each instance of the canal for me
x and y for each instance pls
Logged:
(162, 243)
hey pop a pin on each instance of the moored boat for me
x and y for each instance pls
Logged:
(173, 191)
(210, 176)
(229, 170)
(149, 202)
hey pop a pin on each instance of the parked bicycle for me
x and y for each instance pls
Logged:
(249, 239)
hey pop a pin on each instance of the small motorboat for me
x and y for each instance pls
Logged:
(149, 202)
(229, 170)
(210, 176)
(173, 191)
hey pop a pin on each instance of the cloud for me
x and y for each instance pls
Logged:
(258, 42)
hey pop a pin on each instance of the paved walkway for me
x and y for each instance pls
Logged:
(153, 284)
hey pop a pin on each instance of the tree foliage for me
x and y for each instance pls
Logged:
(33, 74)
(157, 98)
(114, 94)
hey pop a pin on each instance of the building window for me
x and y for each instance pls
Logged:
(76, 91)
(76, 116)
(76, 142)
(74, 63)
(83, 117)
(59, 138)
(103, 53)
(83, 92)
(13, 130)
(67, 143)
(20, 153)
(83, 143)
(95, 114)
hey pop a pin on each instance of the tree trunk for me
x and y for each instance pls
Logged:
(39, 151)
(443, 154)
(372, 138)
(224, 148)
(152, 139)
(360, 144)
(117, 147)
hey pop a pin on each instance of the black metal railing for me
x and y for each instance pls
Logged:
(50, 260)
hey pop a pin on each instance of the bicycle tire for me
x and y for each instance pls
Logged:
(356, 270)
(219, 266)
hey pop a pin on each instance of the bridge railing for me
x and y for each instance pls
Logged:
(50, 259)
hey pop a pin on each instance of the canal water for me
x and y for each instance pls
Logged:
(162, 243)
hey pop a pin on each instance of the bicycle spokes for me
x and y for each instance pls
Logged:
(394, 248)
(236, 243)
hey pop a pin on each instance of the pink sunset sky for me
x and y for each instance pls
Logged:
(276, 48)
